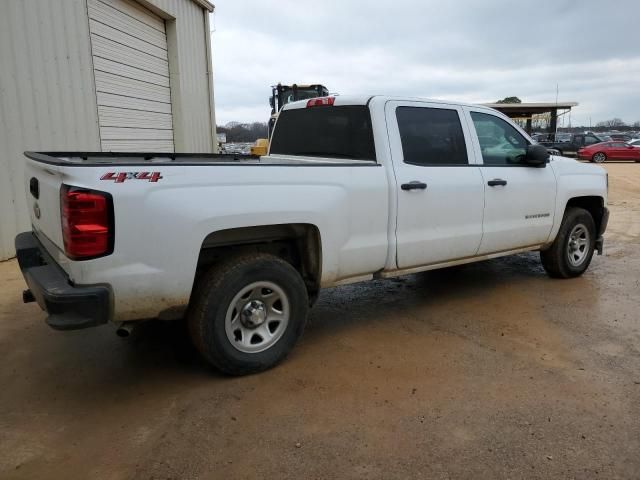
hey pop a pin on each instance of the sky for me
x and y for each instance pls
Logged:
(471, 51)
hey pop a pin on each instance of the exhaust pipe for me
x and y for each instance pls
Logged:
(124, 329)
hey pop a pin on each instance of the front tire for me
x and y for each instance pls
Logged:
(247, 314)
(571, 252)
(599, 157)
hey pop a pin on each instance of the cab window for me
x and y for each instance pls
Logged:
(331, 132)
(431, 136)
(501, 144)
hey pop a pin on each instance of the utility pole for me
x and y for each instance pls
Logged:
(555, 134)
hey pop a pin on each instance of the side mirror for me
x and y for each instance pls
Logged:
(536, 156)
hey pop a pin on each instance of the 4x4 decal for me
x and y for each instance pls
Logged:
(120, 177)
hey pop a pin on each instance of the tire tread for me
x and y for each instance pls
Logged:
(212, 281)
(553, 259)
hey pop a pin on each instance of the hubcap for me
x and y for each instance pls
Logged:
(253, 314)
(257, 317)
(578, 245)
(599, 157)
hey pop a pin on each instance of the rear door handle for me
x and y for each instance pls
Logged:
(415, 185)
(496, 181)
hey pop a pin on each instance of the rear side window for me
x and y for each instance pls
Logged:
(334, 132)
(431, 136)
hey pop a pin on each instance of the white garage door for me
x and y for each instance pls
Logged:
(130, 62)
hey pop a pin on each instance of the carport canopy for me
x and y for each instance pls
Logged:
(527, 110)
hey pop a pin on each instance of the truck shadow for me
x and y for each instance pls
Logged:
(431, 297)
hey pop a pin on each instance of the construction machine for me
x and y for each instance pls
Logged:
(280, 96)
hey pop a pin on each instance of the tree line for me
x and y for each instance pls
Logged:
(243, 132)
(617, 123)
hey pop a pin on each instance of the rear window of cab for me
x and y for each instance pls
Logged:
(325, 131)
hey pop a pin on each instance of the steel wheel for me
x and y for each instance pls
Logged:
(578, 245)
(257, 317)
(599, 157)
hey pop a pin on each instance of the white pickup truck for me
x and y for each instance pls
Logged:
(353, 188)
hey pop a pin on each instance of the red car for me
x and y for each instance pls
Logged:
(600, 152)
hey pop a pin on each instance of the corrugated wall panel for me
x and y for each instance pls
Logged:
(194, 130)
(130, 133)
(108, 100)
(47, 98)
(125, 117)
(105, 48)
(140, 44)
(132, 64)
(108, 15)
(138, 145)
(134, 10)
(109, 66)
(119, 85)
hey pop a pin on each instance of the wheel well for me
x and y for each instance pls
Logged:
(298, 243)
(594, 205)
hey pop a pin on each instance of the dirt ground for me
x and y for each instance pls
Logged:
(490, 370)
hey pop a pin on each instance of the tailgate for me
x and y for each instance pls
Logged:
(42, 184)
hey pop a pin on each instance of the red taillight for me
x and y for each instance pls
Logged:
(320, 101)
(87, 228)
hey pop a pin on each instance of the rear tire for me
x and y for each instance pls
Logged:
(571, 252)
(599, 157)
(247, 314)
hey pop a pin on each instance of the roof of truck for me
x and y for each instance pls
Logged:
(365, 99)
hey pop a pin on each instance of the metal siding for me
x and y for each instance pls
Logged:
(140, 44)
(130, 133)
(138, 145)
(134, 10)
(47, 99)
(125, 117)
(108, 100)
(192, 120)
(109, 66)
(108, 15)
(131, 67)
(127, 87)
(105, 48)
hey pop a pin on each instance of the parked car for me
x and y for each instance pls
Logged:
(574, 143)
(635, 143)
(620, 137)
(353, 189)
(609, 151)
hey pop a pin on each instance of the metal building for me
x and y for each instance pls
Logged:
(99, 75)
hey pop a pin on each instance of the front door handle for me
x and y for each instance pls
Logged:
(496, 181)
(415, 185)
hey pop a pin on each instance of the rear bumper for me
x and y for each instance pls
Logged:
(68, 307)
(603, 227)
